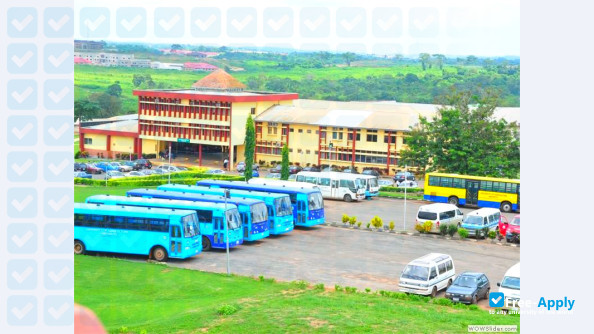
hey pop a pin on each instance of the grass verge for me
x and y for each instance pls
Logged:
(399, 195)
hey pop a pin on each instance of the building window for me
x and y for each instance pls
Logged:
(308, 131)
(253, 111)
(307, 151)
(372, 136)
(88, 141)
(299, 150)
(284, 131)
(291, 130)
(351, 136)
(392, 141)
(405, 140)
(290, 150)
(300, 131)
(316, 152)
(317, 132)
(337, 135)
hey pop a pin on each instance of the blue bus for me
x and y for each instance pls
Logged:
(211, 216)
(308, 204)
(253, 213)
(158, 233)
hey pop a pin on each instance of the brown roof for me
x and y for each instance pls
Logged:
(219, 79)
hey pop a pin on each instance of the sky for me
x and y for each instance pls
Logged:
(455, 28)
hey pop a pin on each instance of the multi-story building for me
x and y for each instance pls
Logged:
(88, 45)
(113, 59)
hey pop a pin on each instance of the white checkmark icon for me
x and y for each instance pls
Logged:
(59, 276)
(167, 25)
(203, 25)
(20, 97)
(422, 25)
(59, 60)
(20, 25)
(350, 25)
(20, 241)
(240, 25)
(59, 204)
(495, 301)
(58, 313)
(59, 240)
(20, 170)
(20, 278)
(93, 25)
(20, 206)
(20, 134)
(129, 25)
(22, 312)
(58, 97)
(385, 25)
(20, 61)
(59, 168)
(313, 25)
(58, 133)
(278, 24)
(61, 22)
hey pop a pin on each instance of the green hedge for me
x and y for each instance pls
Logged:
(400, 190)
(149, 181)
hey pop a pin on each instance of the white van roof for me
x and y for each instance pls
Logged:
(437, 207)
(431, 258)
(514, 271)
(483, 212)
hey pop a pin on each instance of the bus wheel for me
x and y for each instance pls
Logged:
(506, 207)
(159, 254)
(205, 243)
(348, 198)
(453, 200)
(79, 247)
(434, 292)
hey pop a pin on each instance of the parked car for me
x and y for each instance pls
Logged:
(135, 174)
(215, 171)
(350, 170)
(181, 168)
(385, 182)
(160, 171)
(295, 169)
(169, 168)
(145, 163)
(510, 231)
(276, 169)
(147, 171)
(428, 274)
(121, 167)
(399, 177)
(407, 184)
(241, 167)
(83, 175)
(273, 176)
(93, 169)
(469, 288)
(371, 172)
(255, 173)
(439, 213)
(80, 167)
(113, 174)
(311, 169)
(135, 165)
(479, 222)
(330, 169)
(510, 286)
(107, 166)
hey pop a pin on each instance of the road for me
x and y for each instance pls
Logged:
(348, 257)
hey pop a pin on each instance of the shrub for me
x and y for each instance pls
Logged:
(261, 278)
(149, 156)
(367, 290)
(377, 222)
(492, 235)
(319, 286)
(473, 307)
(391, 226)
(443, 229)
(77, 155)
(443, 301)
(123, 329)
(419, 228)
(427, 226)
(359, 224)
(368, 224)
(463, 233)
(452, 229)
(350, 289)
(337, 288)
(352, 220)
(227, 309)
(345, 218)
(301, 284)
(400, 190)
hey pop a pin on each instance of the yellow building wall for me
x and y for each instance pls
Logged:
(149, 146)
(303, 142)
(122, 144)
(99, 141)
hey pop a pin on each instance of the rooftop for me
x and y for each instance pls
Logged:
(121, 126)
(219, 79)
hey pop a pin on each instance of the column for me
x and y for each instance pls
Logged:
(199, 154)
(81, 141)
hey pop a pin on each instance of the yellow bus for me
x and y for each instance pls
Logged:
(484, 192)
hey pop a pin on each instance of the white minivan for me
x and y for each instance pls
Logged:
(428, 274)
(439, 213)
(510, 286)
(479, 222)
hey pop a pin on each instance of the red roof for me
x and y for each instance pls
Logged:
(199, 66)
(79, 60)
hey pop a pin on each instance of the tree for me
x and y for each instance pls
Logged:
(110, 105)
(137, 80)
(471, 60)
(115, 89)
(85, 110)
(424, 58)
(348, 57)
(285, 163)
(176, 47)
(250, 144)
(439, 58)
(466, 140)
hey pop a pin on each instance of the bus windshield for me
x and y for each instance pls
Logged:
(361, 184)
(473, 220)
(190, 226)
(259, 213)
(315, 201)
(416, 272)
(373, 182)
(233, 219)
(283, 206)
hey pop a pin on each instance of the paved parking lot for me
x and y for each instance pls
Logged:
(351, 257)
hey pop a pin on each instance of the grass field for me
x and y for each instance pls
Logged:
(134, 297)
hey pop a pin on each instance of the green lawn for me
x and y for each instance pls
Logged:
(400, 195)
(82, 192)
(140, 297)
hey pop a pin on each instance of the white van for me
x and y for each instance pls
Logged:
(335, 185)
(439, 213)
(477, 221)
(428, 274)
(510, 286)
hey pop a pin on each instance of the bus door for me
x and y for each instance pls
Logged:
(245, 223)
(518, 197)
(301, 209)
(472, 189)
(175, 242)
(334, 192)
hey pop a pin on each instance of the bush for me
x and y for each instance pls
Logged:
(419, 228)
(392, 226)
(400, 190)
(77, 155)
(149, 156)
(350, 289)
(353, 220)
(443, 301)
(367, 290)
(345, 218)
(337, 288)
(452, 229)
(463, 233)
(319, 286)
(368, 224)
(301, 284)
(377, 222)
(227, 309)
(492, 235)
(359, 224)
(427, 226)
(443, 229)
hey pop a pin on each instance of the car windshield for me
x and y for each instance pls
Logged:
(316, 201)
(427, 215)
(473, 220)
(515, 221)
(373, 182)
(283, 206)
(465, 281)
(233, 219)
(416, 272)
(511, 283)
(116, 174)
(191, 228)
(259, 213)
(115, 164)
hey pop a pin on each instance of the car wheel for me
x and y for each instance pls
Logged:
(487, 293)
(434, 292)
(348, 198)
(159, 254)
(79, 247)
(453, 200)
(506, 207)
(474, 301)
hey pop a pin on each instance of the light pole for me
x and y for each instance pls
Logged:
(404, 183)
(227, 231)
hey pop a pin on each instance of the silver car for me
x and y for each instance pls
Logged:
(122, 167)
(112, 174)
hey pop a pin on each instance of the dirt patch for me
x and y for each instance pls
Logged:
(316, 323)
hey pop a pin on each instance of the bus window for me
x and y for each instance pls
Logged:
(324, 181)
(434, 181)
(311, 179)
(175, 232)
(300, 178)
(191, 228)
(293, 198)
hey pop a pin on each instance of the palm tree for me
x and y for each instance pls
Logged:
(348, 57)
(424, 58)
(439, 58)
